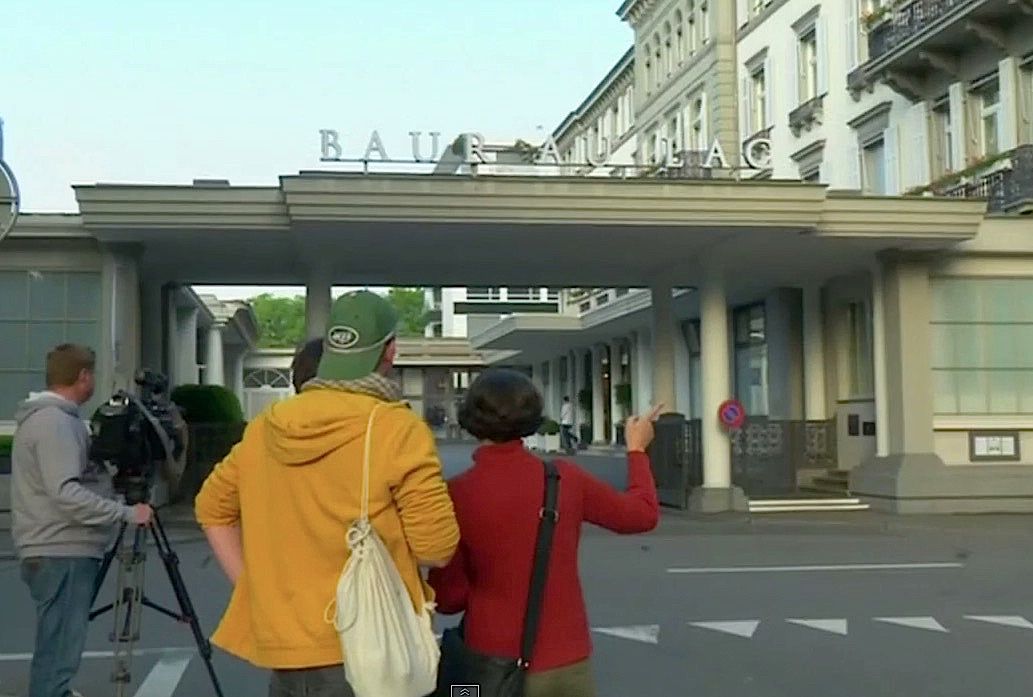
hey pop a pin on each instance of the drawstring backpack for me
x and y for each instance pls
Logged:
(389, 648)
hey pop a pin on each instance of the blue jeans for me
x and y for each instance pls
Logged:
(62, 588)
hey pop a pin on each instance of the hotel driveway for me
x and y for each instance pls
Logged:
(856, 605)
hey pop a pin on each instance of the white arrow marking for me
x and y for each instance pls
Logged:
(832, 626)
(928, 623)
(645, 633)
(744, 629)
(164, 677)
(1005, 620)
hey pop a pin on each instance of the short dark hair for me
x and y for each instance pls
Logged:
(306, 362)
(501, 406)
(66, 362)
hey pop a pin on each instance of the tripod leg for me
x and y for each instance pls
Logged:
(105, 566)
(189, 615)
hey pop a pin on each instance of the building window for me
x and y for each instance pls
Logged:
(859, 351)
(704, 19)
(693, 29)
(668, 50)
(758, 99)
(982, 329)
(38, 311)
(807, 60)
(873, 167)
(989, 96)
(943, 136)
(698, 121)
(751, 359)
(679, 36)
(674, 135)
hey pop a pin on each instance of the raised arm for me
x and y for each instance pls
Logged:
(633, 510)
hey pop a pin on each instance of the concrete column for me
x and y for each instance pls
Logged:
(236, 376)
(879, 363)
(577, 367)
(682, 373)
(615, 379)
(784, 375)
(186, 346)
(317, 303)
(664, 391)
(815, 406)
(556, 390)
(717, 493)
(598, 408)
(214, 365)
(642, 370)
(152, 329)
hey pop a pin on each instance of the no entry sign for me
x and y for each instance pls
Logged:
(731, 414)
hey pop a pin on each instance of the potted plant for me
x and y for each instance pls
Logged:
(549, 436)
(6, 443)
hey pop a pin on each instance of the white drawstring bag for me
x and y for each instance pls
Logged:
(389, 649)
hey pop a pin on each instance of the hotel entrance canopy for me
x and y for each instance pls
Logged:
(505, 230)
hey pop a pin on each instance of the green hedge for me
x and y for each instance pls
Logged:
(6, 443)
(548, 428)
(208, 404)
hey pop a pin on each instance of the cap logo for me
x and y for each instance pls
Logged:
(342, 338)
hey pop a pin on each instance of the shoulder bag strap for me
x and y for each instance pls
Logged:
(548, 516)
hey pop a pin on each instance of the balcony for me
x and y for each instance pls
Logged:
(919, 44)
(1007, 184)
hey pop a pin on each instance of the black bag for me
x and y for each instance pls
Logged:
(495, 675)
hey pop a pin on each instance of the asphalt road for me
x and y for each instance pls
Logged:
(852, 605)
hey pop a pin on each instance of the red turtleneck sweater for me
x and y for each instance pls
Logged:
(497, 503)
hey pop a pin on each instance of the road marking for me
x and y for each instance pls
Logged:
(164, 677)
(823, 567)
(832, 626)
(645, 633)
(12, 657)
(744, 629)
(1005, 620)
(928, 623)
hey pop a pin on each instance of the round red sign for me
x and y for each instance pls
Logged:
(731, 414)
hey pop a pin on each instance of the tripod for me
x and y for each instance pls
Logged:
(130, 599)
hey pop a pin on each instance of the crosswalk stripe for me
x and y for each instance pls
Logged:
(832, 626)
(928, 623)
(164, 677)
(1004, 620)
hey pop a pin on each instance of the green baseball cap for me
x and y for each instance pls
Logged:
(361, 324)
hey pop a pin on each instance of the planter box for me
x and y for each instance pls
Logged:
(543, 444)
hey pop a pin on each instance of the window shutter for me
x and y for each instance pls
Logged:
(958, 120)
(1009, 121)
(853, 34)
(891, 150)
(851, 174)
(918, 165)
(821, 35)
(742, 13)
(769, 94)
(745, 109)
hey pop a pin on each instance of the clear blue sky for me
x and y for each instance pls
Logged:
(149, 91)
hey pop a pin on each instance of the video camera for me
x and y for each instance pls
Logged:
(135, 434)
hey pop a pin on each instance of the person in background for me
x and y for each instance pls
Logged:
(63, 514)
(277, 509)
(306, 363)
(567, 439)
(489, 576)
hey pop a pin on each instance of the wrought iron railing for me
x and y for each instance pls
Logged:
(1004, 189)
(911, 20)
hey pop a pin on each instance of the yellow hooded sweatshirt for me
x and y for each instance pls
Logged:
(293, 485)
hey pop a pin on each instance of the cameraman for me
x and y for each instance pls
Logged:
(63, 516)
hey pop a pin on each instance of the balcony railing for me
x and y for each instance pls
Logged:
(1008, 189)
(911, 20)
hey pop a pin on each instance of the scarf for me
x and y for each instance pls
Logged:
(373, 385)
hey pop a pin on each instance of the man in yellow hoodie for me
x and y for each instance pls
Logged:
(276, 511)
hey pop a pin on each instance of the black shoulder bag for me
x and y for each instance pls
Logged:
(498, 676)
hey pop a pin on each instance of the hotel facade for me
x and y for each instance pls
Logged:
(833, 233)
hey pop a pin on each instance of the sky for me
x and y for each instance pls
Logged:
(166, 91)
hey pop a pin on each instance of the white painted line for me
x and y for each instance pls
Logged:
(745, 628)
(645, 633)
(832, 626)
(1005, 620)
(815, 567)
(164, 677)
(927, 623)
(13, 657)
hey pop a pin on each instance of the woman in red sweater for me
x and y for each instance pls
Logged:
(497, 503)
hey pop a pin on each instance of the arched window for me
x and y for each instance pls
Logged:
(267, 377)
(668, 51)
(648, 63)
(658, 62)
(693, 28)
(679, 37)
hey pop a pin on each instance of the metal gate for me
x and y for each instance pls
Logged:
(677, 458)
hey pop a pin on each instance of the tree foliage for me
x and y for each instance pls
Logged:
(282, 320)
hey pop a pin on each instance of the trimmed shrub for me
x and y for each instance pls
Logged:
(208, 404)
(549, 428)
(6, 443)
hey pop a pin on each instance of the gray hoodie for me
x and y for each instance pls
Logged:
(61, 503)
